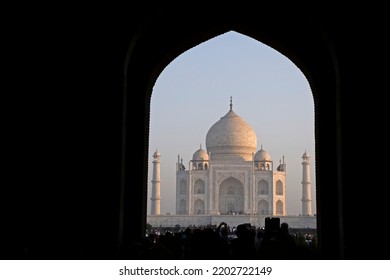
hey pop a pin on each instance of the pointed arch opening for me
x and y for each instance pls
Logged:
(231, 197)
(315, 60)
(199, 187)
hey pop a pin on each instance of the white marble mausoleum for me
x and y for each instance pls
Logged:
(230, 181)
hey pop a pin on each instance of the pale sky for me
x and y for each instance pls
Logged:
(269, 92)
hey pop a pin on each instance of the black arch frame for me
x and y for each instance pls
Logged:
(159, 42)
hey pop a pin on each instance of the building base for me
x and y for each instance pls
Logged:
(231, 220)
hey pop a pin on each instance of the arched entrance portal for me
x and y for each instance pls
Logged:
(231, 197)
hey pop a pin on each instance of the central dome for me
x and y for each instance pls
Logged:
(231, 138)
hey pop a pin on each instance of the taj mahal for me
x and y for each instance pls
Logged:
(231, 181)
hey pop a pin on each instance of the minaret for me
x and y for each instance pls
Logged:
(306, 188)
(155, 209)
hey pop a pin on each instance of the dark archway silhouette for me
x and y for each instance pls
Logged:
(79, 161)
(160, 42)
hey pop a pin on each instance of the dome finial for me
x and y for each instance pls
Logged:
(231, 103)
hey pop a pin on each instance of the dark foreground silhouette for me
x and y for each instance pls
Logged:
(223, 242)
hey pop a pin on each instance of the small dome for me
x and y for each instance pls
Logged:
(200, 155)
(262, 155)
(305, 155)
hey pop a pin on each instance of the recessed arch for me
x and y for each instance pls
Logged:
(199, 187)
(183, 187)
(262, 187)
(199, 207)
(183, 206)
(279, 188)
(279, 207)
(262, 207)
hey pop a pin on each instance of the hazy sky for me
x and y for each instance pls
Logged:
(269, 92)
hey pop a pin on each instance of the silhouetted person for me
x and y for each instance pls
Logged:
(223, 231)
(206, 244)
(243, 247)
(258, 238)
(278, 244)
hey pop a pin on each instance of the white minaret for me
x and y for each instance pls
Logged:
(155, 209)
(306, 188)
